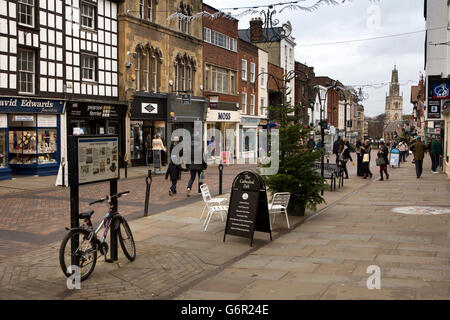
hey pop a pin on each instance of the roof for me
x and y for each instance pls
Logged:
(394, 125)
(269, 34)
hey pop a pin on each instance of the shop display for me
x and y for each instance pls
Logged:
(47, 145)
(3, 155)
(29, 147)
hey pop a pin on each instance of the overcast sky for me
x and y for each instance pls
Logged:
(357, 63)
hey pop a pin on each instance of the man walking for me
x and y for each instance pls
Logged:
(311, 143)
(418, 148)
(435, 153)
(336, 148)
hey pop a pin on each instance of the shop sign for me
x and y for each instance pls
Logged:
(20, 105)
(186, 99)
(24, 118)
(94, 110)
(440, 90)
(149, 108)
(250, 121)
(434, 109)
(47, 121)
(214, 102)
(221, 116)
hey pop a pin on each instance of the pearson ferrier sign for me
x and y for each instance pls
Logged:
(248, 210)
(25, 105)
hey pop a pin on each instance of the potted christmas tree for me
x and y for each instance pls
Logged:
(297, 174)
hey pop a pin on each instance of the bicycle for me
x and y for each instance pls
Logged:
(87, 244)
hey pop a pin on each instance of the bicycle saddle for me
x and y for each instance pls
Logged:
(86, 215)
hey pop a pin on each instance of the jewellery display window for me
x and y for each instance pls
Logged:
(3, 150)
(22, 146)
(47, 145)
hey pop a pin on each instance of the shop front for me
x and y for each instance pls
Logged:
(30, 134)
(249, 137)
(187, 113)
(148, 118)
(97, 118)
(222, 132)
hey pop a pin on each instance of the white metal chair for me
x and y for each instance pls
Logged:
(211, 209)
(208, 199)
(279, 204)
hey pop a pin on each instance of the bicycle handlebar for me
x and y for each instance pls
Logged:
(109, 197)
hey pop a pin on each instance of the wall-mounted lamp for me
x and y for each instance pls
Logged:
(128, 64)
(170, 82)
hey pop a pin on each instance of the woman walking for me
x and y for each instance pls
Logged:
(365, 153)
(195, 168)
(174, 170)
(382, 160)
(345, 156)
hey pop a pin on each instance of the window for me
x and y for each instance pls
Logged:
(149, 11)
(155, 74)
(220, 80)
(244, 69)
(25, 71)
(177, 76)
(252, 104)
(189, 75)
(219, 39)
(183, 78)
(141, 9)
(87, 15)
(233, 82)
(244, 102)
(138, 70)
(26, 12)
(145, 72)
(263, 76)
(252, 72)
(88, 68)
(207, 78)
(261, 107)
(207, 35)
(187, 26)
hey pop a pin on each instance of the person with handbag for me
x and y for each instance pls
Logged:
(365, 152)
(345, 156)
(382, 160)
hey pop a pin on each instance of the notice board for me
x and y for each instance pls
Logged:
(98, 159)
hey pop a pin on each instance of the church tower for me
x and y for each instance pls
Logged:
(394, 101)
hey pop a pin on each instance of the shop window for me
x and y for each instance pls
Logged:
(26, 71)
(87, 13)
(3, 154)
(31, 144)
(25, 10)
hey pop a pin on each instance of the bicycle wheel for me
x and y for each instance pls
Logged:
(126, 240)
(85, 253)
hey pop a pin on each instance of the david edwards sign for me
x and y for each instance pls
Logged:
(21, 105)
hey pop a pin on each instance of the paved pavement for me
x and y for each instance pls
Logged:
(324, 256)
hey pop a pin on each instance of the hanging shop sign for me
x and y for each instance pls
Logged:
(149, 108)
(23, 105)
(440, 89)
(434, 109)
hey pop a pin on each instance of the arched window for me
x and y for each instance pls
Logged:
(184, 73)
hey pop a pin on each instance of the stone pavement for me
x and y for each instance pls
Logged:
(37, 217)
(324, 257)
(328, 255)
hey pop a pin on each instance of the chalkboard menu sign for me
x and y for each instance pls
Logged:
(248, 210)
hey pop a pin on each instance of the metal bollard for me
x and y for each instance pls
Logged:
(220, 177)
(63, 172)
(148, 182)
(126, 169)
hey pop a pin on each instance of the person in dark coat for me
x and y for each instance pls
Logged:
(365, 149)
(435, 151)
(418, 148)
(195, 168)
(383, 153)
(174, 171)
(345, 156)
(336, 148)
(311, 143)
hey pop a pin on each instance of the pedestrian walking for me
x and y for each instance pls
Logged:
(311, 143)
(158, 145)
(418, 148)
(174, 170)
(365, 152)
(435, 153)
(345, 156)
(403, 148)
(382, 160)
(319, 144)
(336, 146)
(195, 169)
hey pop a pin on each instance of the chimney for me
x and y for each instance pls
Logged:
(256, 29)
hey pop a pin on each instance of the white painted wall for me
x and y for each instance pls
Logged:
(263, 62)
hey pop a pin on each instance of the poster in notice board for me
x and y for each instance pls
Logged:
(98, 159)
